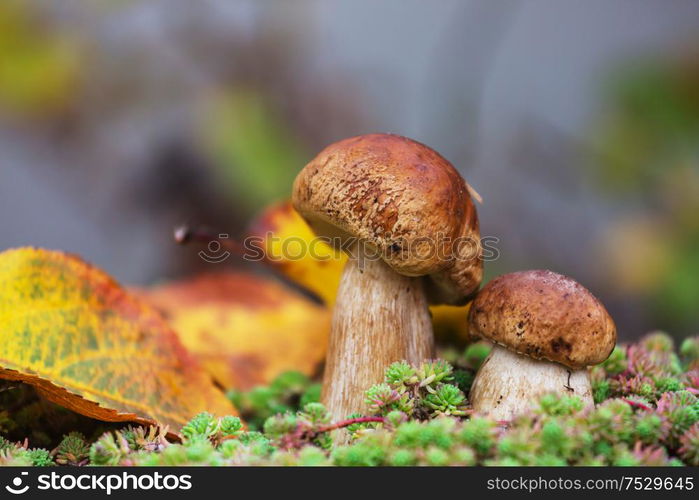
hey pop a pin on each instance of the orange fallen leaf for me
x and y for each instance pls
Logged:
(283, 235)
(244, 328)
(71, 331)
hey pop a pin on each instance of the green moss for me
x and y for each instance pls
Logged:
(480, 434)
(289, 392)
(402, 458)
(361, 453)
(601, 390)
(475, 354)
(647, 413)
(41, 458)
(616, 362)
(689, 349)
(73, 450)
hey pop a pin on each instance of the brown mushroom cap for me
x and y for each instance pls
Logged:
(544, 315)
(404, 200)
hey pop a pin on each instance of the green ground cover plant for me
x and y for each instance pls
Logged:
(646, 413)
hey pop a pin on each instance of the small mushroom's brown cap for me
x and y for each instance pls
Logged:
(404, 200)
(544, 315)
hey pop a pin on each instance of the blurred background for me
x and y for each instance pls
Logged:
(578, 123)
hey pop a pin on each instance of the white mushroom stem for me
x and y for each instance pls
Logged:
(380, 317)
(508, 383)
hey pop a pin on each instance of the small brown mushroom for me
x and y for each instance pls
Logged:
(405, 217)
(547, 329)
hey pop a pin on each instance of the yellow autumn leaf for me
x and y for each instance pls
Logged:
(290, 245)
(244, 328)
(71, 331)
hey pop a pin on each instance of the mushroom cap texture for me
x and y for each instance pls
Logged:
(544, 315)
(405, 201)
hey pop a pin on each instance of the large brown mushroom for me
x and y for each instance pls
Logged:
(547, 329)
(405, 217)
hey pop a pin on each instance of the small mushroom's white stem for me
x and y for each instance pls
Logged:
(380, 317)
(508, 383)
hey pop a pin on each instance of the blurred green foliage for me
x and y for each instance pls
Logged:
(652, 127)
(649, 144)
(251, 146)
